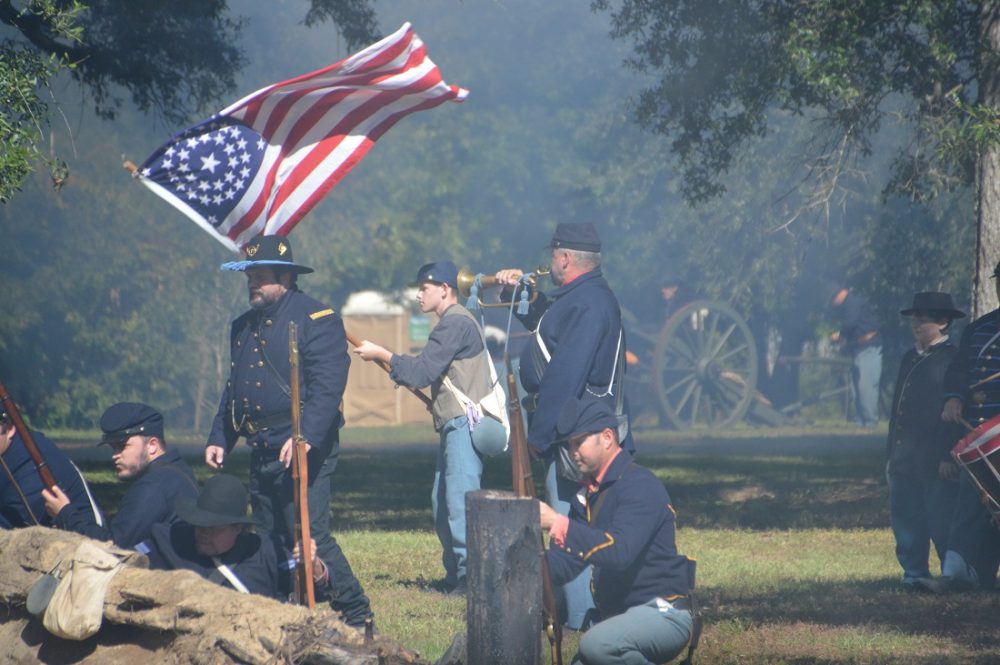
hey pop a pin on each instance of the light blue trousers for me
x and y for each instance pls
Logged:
(867, 374)
(642, 635)
(459, 470)
(575, 595)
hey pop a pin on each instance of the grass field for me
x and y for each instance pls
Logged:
(789, 528)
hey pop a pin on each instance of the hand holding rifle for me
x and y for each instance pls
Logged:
(381, 356)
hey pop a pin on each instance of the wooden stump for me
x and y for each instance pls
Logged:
(505, 579)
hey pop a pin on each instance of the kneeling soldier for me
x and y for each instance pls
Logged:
(622, 523)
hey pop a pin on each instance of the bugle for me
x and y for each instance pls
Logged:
(469, 282)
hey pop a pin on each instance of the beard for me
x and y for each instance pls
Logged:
(260, 300)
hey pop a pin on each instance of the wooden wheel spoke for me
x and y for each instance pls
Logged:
(693, 340)
(732, 352)
(705, 367)
(686, 397)
(682, 349)
(712, 328)
(686, 379)
(696, 402)
(722, 342)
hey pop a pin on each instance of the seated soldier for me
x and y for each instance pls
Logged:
(212, 540)
(622, 523)
(134, 432)
(21, 487)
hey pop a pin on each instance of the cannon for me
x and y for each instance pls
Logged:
(702, 366)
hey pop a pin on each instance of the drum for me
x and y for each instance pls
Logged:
(978, 452)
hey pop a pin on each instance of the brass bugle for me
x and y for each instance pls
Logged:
(466, 278)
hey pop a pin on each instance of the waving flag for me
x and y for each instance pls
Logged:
(261, 164)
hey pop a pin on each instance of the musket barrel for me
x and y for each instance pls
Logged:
(524, 485)
(300, 480)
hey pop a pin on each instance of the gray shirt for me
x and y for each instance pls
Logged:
(454, 349)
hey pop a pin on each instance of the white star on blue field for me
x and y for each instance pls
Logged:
(208, 166)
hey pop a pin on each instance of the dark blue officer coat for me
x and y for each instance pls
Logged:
(12, 511)
(256, 402)
(580, 324)
(918, 439)
(978, 358)
(259, 563)
(149, 499)
(626, 530)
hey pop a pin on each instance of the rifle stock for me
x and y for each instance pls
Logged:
(524, 485)
(304, 591)
(388, 370)
(29, 442)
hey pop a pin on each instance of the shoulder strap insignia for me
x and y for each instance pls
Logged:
(320, 314)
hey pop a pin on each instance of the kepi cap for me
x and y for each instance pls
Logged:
(222, 501)
(579, 236)
(584, 416)
(274, 251)
(933, 301)
(442, 272)
(127, 419)
(670, 279)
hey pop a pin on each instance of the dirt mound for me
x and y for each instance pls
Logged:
(171, 617)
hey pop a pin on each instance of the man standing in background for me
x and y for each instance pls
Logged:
(859, 333)
(922, 476)
(972, 396)
(577, 348)
(457, 367)
(256, 404)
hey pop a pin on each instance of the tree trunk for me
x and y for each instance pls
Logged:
(988, 165)
(504, 610)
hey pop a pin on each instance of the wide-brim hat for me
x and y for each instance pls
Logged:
(935, 302)
(222, 501)
(272, 251)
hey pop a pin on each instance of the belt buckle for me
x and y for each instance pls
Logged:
(250, 426)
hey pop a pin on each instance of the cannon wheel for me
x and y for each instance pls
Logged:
(705, 366)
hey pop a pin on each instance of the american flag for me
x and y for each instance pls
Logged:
(261, 164)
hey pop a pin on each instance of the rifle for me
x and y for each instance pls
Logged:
(524, 485)
(304, 591)
(388, 370)
(29, 442)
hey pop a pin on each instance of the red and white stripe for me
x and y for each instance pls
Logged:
(319, 125)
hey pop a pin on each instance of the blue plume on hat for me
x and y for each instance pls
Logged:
(274, 251)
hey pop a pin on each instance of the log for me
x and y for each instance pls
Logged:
(504, 575)
(176, 615)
